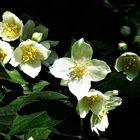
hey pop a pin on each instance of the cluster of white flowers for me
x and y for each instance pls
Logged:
(29, 53)
(76, 72)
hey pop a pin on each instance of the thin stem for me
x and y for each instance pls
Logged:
(82, 129)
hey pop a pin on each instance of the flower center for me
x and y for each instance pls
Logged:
(3, 54)
(29, 53)
(79, 70)
(10, 30)
(130, 63)
(91, 100)
(105, 112)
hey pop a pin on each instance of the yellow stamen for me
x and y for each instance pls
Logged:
(130, 63)
(105, 112)
(79, 70)
(29, 53)
(3, 54)
(100, 117)
(10, 30)
(92, 100)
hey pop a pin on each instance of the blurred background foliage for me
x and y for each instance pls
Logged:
(103, 24)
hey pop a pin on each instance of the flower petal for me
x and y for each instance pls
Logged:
(42, 51)
(99, 124)
(8, 49)
(98, 70)
(119, 64)
(31, 69)
(9, 17)
(81, 51)
(94, 120)
(113, 100)
(79, 87)
(131, 75)
(82, 108)
(103, 124)
(31, 138)
(17, 57)
(62, 68)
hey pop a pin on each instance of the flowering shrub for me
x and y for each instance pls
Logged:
(41, 93)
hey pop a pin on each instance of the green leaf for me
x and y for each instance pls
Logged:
(22, 101)
(11, 75)
(3, 92)
(53, 43)
(64, 82)
(133, 88)
(6, 136)
(35, 120)
(49, 43)
(104, 48)
(110, 6)
(46, 44)
(7, 115)
(15, 77)
(111, 83)
(50, 60)
(37, 87)
(34, 97)
(39, 133)
(1, 96)
(42, 29)
(52, 95)
(3, 73)
(28, 30)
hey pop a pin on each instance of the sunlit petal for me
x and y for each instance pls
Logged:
(31, 69)
(98, 70)
(62, 68)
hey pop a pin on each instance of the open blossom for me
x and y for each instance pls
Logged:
(5, 52)
(79, 70)
(99, 104)
(11, 27)
(129, 63)
(29, 55)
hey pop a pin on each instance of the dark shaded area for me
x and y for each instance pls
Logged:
(93, 21)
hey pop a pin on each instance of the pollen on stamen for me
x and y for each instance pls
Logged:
(10, 30)
(29, 53)
(79, 70)
(91, 100)
(130, 63)
(3, 54)
(100, 117)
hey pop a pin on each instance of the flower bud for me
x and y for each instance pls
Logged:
(137, 39)
(37, 36)
(125, 30)
(122, 46)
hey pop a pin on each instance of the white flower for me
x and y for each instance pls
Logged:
(99, 122)
(129, 63)
(31, 138)
(93, 101)
(11, 27)
(99, 104)
(29, 55)
(79, 70)
(5, 52)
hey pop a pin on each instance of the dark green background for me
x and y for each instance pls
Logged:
(67, 19)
